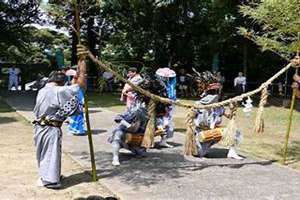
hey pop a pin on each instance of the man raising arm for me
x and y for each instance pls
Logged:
(54, 103)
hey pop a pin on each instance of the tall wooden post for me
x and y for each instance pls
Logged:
(86, 108)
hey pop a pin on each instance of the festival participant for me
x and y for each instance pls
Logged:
(134, 120)
(128, 95)
(210, 119)
(54, 103)
(13, 78)
(168, 77)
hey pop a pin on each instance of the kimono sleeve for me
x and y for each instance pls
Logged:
(68, 101)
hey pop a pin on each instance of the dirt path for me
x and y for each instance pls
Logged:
(18, 173)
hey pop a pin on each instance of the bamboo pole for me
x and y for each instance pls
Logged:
(290, 119)
(86, 108)
(285, 148)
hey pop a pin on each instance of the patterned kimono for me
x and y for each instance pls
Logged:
(76, 122)
(53, 104)
(128, 95)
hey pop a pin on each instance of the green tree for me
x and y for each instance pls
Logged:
(276, 25)
(167, 32)
(15, 16)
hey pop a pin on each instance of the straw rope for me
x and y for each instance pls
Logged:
(156, 98)
(259, 121)
(190, 143)
(228, 136)
(148, 140)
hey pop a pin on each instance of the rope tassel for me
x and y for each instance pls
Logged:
(259, 121)
(148, 140)
(190, 143)
(229, 134)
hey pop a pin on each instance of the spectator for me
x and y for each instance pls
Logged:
(240, 84)
(280, 88)
(109, 78)
(182, 83)
(13, 78)
(296, 85)
(221, 80)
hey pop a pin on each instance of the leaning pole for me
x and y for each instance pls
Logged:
(296, 64)
(290, 119)
(86, 108)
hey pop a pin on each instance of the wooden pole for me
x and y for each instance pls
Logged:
(285, 148)
(86, 108)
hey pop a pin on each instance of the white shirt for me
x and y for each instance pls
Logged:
(240, 80)
(182, 78)
(107, 75)
(13, 72)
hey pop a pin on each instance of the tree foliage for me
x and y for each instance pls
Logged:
(20, 41)
(276, 25)
(15, 15)
(169, 32)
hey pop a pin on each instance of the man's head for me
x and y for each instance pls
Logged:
(132, 71)
(240, 74)
(57, 77)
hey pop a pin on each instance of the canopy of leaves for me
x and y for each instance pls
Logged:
(14, 16)
(168, 32)
(276, 25)
(19, 40)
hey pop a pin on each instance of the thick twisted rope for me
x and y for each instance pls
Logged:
(83, 50)
(228, 136)
(148, 140)
(190, 143)
(259, 121)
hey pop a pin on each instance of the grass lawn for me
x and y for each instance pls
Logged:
(110, 101)
(267, 145)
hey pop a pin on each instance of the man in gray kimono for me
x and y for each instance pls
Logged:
(54, 103)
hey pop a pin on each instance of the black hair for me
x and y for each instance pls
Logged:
(57, 77)
(132, 69)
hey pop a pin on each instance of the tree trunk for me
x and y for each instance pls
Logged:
(74, 42)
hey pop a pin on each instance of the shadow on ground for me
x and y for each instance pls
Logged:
(158, 165)
(5, 120)
(98, 131)
(22, 100)
(293, 152)
(95, 198)
(75, 179)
